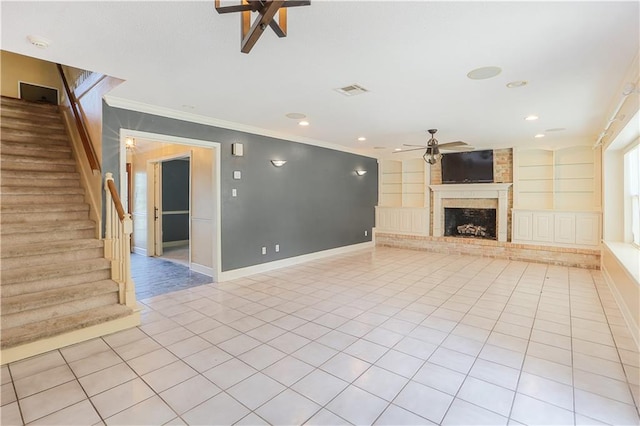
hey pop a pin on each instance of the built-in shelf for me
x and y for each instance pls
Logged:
(403, 205)
(564, 179)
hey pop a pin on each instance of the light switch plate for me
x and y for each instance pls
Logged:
(237, 174)
(234, 192)
(237, 149)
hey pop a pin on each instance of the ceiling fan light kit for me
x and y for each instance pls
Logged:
(267, 10)
(432, 149)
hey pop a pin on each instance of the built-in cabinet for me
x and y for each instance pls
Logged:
(403, 197)
(570, 229)
(556, 197)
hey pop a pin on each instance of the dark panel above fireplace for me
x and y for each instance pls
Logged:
(470, 223)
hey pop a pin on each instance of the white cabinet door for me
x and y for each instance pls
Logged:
(587, 229)
(420, 221)
(404, 220)
(543, 227)
(522, 226)
(565, 228)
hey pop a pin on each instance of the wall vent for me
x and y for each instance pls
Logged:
(352, 90)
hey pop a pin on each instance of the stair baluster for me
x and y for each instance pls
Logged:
(118, 242)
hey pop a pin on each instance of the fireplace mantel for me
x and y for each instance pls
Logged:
(497, 191)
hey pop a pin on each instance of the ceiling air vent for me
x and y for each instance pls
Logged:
(352, 90)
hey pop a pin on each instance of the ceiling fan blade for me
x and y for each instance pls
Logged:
(452, 144)
(421, 146)
(407, 150)
(458, 148)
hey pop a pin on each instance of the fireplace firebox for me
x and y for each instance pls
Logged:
(470, 223)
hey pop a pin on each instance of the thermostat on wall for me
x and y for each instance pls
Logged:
(237, 149)
(237, 174)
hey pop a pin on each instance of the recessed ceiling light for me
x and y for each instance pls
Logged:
(39, 42)
(296, 115)
(539, 135)
(484, 73)
(303, 123)
(531, 117)
(398, 149)
(555, 129)
(518, 83)
(362, 139)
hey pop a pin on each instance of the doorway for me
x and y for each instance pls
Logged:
(184, 225)
(171, 208)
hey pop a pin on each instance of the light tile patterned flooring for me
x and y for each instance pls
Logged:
(385, 336)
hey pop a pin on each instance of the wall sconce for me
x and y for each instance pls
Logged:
(129, 143)
(278, 163)
(361, 172)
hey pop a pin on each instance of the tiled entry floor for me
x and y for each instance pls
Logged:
(154, 276)
(385, 336)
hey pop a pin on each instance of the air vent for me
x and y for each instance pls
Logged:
(352, 90)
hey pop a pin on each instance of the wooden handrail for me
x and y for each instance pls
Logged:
(116, 199)
(82, 130)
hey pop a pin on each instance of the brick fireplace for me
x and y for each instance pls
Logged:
(473, 195)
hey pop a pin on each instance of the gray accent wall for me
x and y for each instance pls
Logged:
(314, 202)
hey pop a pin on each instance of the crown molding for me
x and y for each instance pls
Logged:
(117, 102)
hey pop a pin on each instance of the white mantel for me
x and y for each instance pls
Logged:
(497, 191)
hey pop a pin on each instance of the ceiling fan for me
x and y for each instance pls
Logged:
(432, 149)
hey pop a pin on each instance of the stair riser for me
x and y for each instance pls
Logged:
(11, 199)
(49, 248)
(35, 152)
(35, 190)
(16, 304)
(44, 182)
(37, 167)
(8, 290)
(41, 237)
(38, 126)
(35, 136)
(50, 259)
(69, 308)
(42, 217)
(41, 175)
(9, 112)
(44, 146)
(21, 105)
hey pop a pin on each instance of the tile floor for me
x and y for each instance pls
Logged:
(387, 336)
(156, 275)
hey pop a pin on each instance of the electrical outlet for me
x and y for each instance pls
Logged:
(366, 233)
(264, 250)
(234, 192)
(277, 248)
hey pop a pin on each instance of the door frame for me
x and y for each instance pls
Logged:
(216, 177)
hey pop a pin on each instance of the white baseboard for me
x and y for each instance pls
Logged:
(201, 269)
(175, 243)
(140, 251)
(291, 261)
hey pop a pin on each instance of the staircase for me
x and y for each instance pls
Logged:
(53, 275)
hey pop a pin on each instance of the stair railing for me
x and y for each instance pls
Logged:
(89, 151)
(118, 242)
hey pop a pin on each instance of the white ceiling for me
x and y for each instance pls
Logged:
(412, 56)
